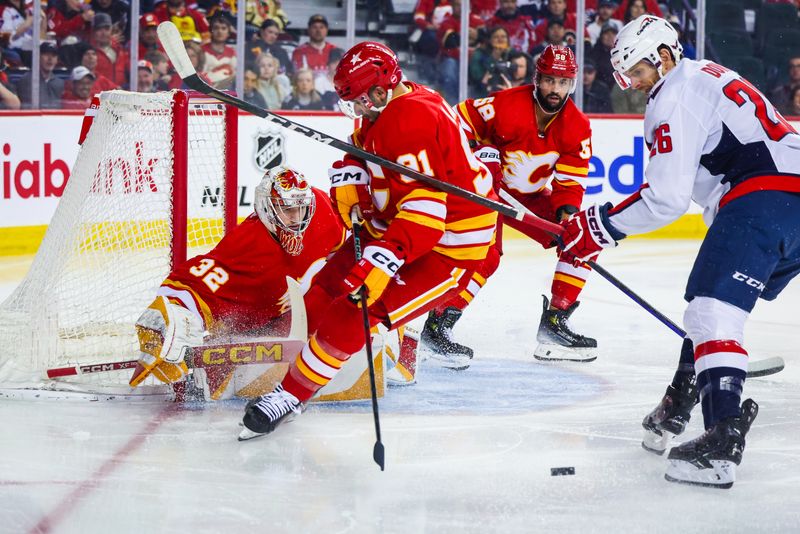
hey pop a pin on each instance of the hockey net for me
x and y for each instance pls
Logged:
(155, 180)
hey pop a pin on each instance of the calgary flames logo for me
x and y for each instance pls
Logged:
(526, 172)
(288, 180)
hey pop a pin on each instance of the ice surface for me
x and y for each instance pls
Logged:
(465, 451)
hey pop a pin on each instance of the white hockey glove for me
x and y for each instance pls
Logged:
(164, 329)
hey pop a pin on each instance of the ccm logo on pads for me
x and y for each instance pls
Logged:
(750, 281)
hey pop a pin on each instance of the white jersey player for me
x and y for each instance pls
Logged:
(715, 139)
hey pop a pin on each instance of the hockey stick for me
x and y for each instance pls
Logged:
(757, 368)
(173, 44)
(377, 451)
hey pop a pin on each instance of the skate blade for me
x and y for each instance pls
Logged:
(548, 352)
(655, 443)
(721, 475)
(449, 362)
(246, 434)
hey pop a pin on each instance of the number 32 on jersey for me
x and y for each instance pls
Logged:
(213, 277)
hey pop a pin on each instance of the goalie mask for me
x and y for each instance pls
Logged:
(285, 204)
(557, 62)
(640, 39)
(363, 67)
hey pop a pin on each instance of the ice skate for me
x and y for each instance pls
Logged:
(436, 340)
(557, 341)
(711, 459)
(670, 417)
(264, 414)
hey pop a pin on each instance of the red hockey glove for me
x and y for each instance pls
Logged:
(378, 265)
(350, 187)
(585, 236)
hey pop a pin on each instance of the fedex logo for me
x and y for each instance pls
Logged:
(623, 174)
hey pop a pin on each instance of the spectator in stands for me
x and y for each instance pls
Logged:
(88, 59)
(314, 54)
(197, 57)
(17, 22)
(250, 93)
(191, 23)
(112, 59)
(522, 68)
(324, 84)
(148, 34)
(450, 47)
(273, 86)
(600, 53)
(604, 15)
(485, 9)
(118, 10)
(51, 87)
(78, 92)
(268, 42)
(596, 94)
(782, 96)
(634, 10)
(556, 35)
(162, 77)
(8, 99)
(650, 6)
(520, 29)
(257, 12)
(490, 62)
(556, 9)
(70, 17)
(145, 79)
(303, 96)
(795, 111)
(220, 56)
(428, 15)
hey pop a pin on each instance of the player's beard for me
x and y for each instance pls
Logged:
(545, 104)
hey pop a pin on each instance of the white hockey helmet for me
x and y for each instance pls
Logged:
(283, 189)
(640, 39)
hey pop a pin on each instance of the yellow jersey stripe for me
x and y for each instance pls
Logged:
(323, 356)
(578, 171)
(427, 297)
(473, 223)
(308, 373)
(422, 220)
(567, 279)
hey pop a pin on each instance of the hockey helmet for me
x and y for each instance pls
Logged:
(640, 39)
(278, 196)
(558, 61)
(366, 65)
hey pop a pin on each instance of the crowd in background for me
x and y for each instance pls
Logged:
(85, 49)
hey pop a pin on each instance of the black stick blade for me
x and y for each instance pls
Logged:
(378, 455)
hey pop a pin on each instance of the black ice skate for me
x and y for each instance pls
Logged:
(436, 340)
(264, 414)
(670, 417)
(711, 459)
(557, 341)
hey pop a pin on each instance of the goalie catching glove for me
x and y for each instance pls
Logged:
(164, 329)
(349, 188)
(586, 234)
(377, 266)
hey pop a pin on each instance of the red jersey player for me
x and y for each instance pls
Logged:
(240, 285)
(545, 146)
(420, 245)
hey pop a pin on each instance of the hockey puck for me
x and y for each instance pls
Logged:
(559, 471)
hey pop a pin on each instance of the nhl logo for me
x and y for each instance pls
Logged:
(270, 149)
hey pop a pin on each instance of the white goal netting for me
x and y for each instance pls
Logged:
(113, 238)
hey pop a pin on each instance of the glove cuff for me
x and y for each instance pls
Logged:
(385, 256)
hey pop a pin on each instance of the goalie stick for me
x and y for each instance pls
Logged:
(767, 366)
(173, 44)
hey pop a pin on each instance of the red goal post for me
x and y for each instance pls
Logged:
(155, 181)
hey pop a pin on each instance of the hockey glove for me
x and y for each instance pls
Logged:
(349, 188)
(378, 265)
(585, 236)
(164, 329)
(490, 156)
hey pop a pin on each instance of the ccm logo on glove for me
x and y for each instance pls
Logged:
(383, 259)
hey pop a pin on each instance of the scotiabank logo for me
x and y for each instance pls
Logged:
(45, 177)
(115, 172)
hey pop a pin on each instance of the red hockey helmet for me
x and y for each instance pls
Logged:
(285, 204)
(366, 65)
(557, 61)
